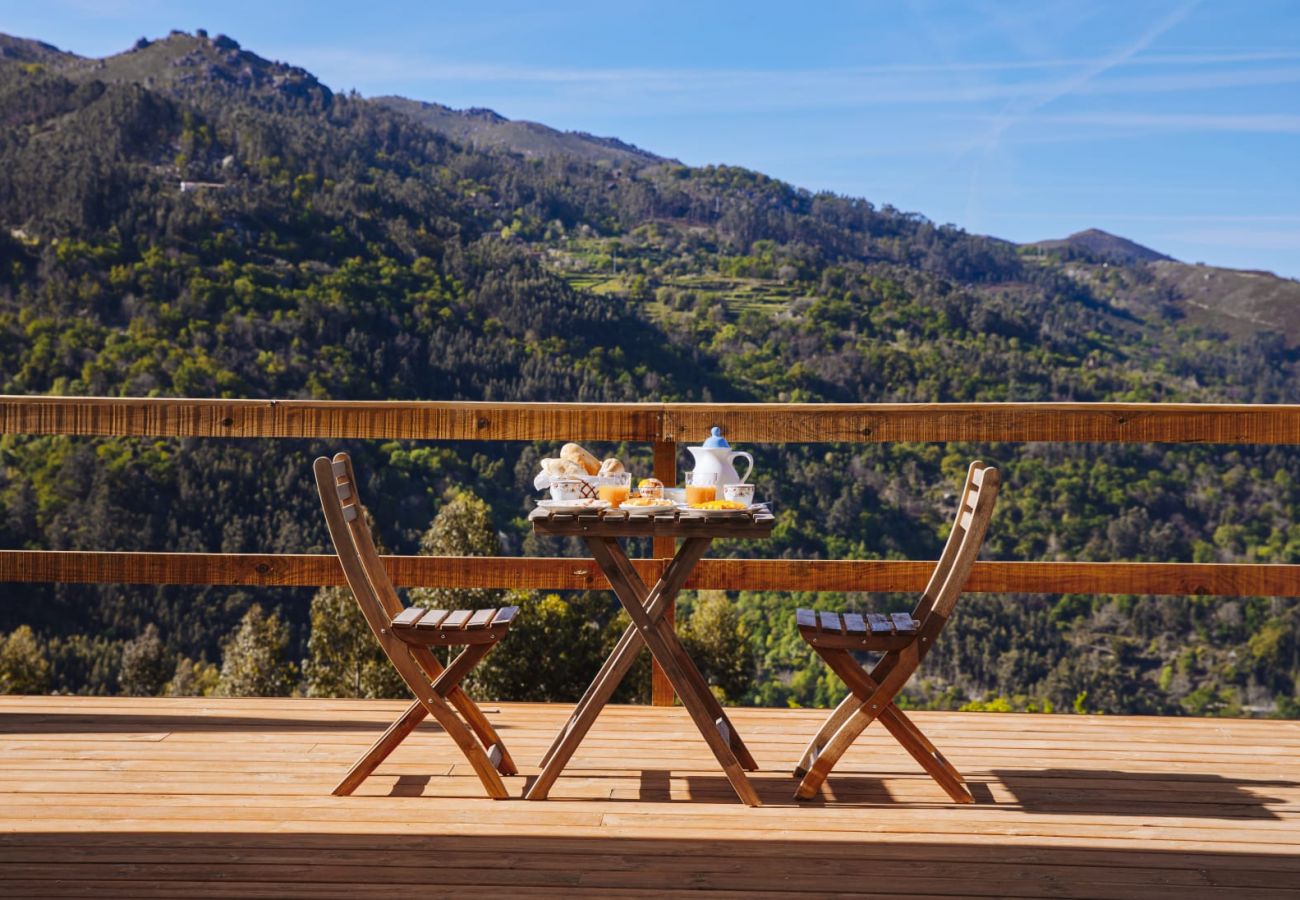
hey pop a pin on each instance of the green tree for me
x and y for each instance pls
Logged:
(343, 657)
(146, 667)
(551, 653)
(717, 640)
(636, 686)
(253, 664)
(23, 666)
(462, 527)
(193, 679)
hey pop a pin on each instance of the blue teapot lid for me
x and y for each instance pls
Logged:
(715, 440)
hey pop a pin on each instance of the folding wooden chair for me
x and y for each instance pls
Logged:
(904, 639)
(406, 636)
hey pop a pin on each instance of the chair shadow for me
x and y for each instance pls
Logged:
(1145, 794)
(410, 786)
(776, 788)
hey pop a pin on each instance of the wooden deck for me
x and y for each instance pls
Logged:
(197, 798)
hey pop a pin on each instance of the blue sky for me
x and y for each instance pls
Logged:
(1173, 122)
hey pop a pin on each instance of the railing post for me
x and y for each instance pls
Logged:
(665, 469)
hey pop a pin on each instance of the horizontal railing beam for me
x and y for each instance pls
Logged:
(653, 422)
(303, 570)
(335, 419)
(552, 573)
(987, 422)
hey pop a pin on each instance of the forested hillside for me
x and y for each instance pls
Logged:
(189, 219)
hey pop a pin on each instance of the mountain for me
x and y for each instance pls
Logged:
(24, 50)
(189, 218)
(484, 128)
(1101, 246)
(1233, 302)
(195, 63)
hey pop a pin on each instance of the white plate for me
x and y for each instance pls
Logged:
(666, 506)
(573, 506)
(722, 513)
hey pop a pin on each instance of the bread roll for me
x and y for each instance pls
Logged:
(562, 467)
(612, 466)
(576, 453)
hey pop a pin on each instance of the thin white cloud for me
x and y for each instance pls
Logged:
(1270, 123)
(693, 90)
(388, 65)
(1017, 112)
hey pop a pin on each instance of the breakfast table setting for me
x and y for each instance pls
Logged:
(596, 501)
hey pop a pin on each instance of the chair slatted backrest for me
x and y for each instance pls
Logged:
(962, 548)
(364, 540)
(346, 519)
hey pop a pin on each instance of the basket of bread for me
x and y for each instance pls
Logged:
(576, 462)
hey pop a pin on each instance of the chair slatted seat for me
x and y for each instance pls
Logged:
(851, 631)
(443, 628)
(431, 619)
(904, 639)
(406, 635)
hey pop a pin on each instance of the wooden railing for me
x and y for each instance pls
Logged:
(662, 425)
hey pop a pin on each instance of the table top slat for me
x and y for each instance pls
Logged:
(618, 523)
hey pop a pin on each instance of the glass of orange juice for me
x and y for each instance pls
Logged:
(615, 488)
(698, 490)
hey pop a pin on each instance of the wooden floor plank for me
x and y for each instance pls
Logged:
(210, 798)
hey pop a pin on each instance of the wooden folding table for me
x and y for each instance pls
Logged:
(646, 606)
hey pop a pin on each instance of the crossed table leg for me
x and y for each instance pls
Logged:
(646, 607)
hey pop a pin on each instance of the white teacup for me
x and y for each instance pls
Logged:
(566, 490)
(741, 493)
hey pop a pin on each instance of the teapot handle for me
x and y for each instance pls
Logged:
(745, 478)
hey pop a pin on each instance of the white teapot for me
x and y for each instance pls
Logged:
(713, 461)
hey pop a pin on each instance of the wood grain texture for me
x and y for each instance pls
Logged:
(415, 420)
(665, 469)
(1201, 579)
(653, 422)
(987, 422)
(302, 570)
(230, 797)
(560, 573)
(615, 523)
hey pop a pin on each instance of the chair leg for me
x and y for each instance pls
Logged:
(379, 751)
(468, 709)
(413, 674)
(929, 758)
(861, 687)
(433, 705)
(832, 724)
(912, 739)
(865, 712)
(468, 743)
(445, 684)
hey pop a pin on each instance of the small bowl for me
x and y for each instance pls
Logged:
(742, 493)
(567, 489)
